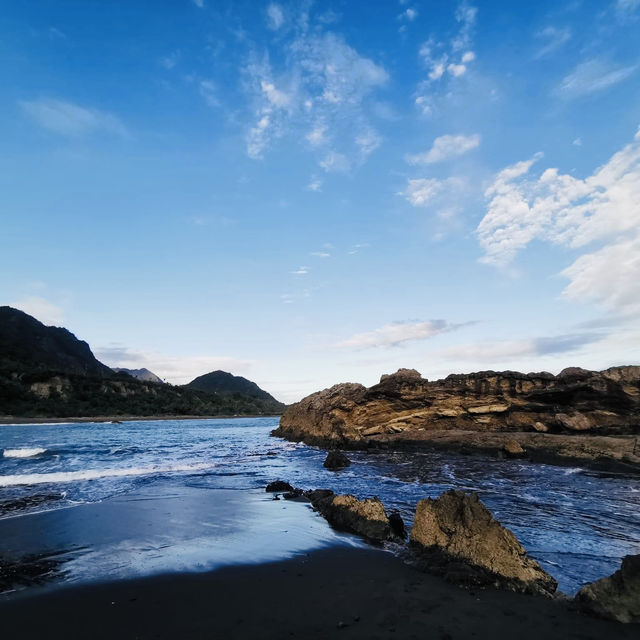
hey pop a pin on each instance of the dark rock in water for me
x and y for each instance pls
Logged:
(367, 517)
(397, 525)
(20, 504)
(279, 485)
(616, 597)
(336, 460)
(456, 536)
(296, 494)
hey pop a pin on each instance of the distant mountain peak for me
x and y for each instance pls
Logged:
(140, 374)
(224, 382)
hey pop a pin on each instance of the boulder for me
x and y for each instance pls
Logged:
(279, 485)
(336, 460)
(457, 537)
(366, 518)
(513, 449)
(397, 525)
(616, 597)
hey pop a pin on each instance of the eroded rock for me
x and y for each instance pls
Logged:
(366, 518)
(457, 537)
(336, 460)
(617, 596)
(278, 485)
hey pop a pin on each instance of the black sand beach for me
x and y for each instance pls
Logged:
(338, 592)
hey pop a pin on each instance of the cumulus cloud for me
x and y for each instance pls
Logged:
(397, 333)
(445, 147)
(41, 309)
(602, 209)
(68, 119)
(593, 76)
(173, 369)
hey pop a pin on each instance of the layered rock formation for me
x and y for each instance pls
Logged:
(457, 537)
(578, 414)
(616, 597)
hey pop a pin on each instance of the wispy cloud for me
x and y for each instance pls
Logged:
(199, 3)
(68, 119)
(593, 76)
(397, 333)
(553, 39)
(301, 271)
(47, 312)
(422, 192)
(275, 16)
(320, 254)
(445, 147)
(499, 351)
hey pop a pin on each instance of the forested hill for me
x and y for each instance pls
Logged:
(48, 372)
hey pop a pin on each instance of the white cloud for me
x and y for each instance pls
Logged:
(173, 369)
(457, 69)
(199, 3)
(171, 60)
(396, 333)
(409, 14)
(320, 254)
(592, 76)
(276, 97)
(627, 5)
(275, 16)
(577, 142)
(66, 118)
(445, 147)
(319, 96)
(603, 209)
(422, 192)
(335, 163)
(301, 271)
(41, 309)
(368, 141)
(554, 38)
(469, 56)
(315, 185)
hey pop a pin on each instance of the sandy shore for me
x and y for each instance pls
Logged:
(337, 592)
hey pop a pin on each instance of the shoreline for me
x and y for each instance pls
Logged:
(15, 420)
(356, 593)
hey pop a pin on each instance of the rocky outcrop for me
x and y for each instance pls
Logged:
(336, 460)
(616, 597)
(549, 417)
(457, 537)
(366, 518)
(278, 485)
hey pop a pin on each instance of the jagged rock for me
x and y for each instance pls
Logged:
(295, 494)
(279, 485)
(366, 518)
(456, 536)
(555, 418)
(617, 596)
(336, 460)
(513, 449)
(397, 525)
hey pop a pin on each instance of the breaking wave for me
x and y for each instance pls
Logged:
(93, 474)
(23, 453)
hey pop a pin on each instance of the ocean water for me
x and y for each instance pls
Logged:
(90, 501)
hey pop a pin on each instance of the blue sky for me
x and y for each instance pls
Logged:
(305, 193)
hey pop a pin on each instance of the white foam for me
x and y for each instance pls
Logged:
(93, 474)
(23, 453)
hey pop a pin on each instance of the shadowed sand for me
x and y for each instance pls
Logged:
(336, 592)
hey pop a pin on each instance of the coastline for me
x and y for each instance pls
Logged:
(15, 420)
(350, 593)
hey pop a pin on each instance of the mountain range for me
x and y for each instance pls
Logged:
(48, 372)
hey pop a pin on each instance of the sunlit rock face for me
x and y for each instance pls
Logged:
(506, 406)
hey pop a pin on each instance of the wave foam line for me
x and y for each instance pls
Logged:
(93, 474)
(23, 453)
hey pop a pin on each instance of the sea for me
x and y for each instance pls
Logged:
(91, 501)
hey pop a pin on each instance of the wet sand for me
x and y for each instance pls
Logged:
(336, 592)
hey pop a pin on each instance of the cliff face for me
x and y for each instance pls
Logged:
(406, 408)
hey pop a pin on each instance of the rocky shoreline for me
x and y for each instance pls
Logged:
(577, 417)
